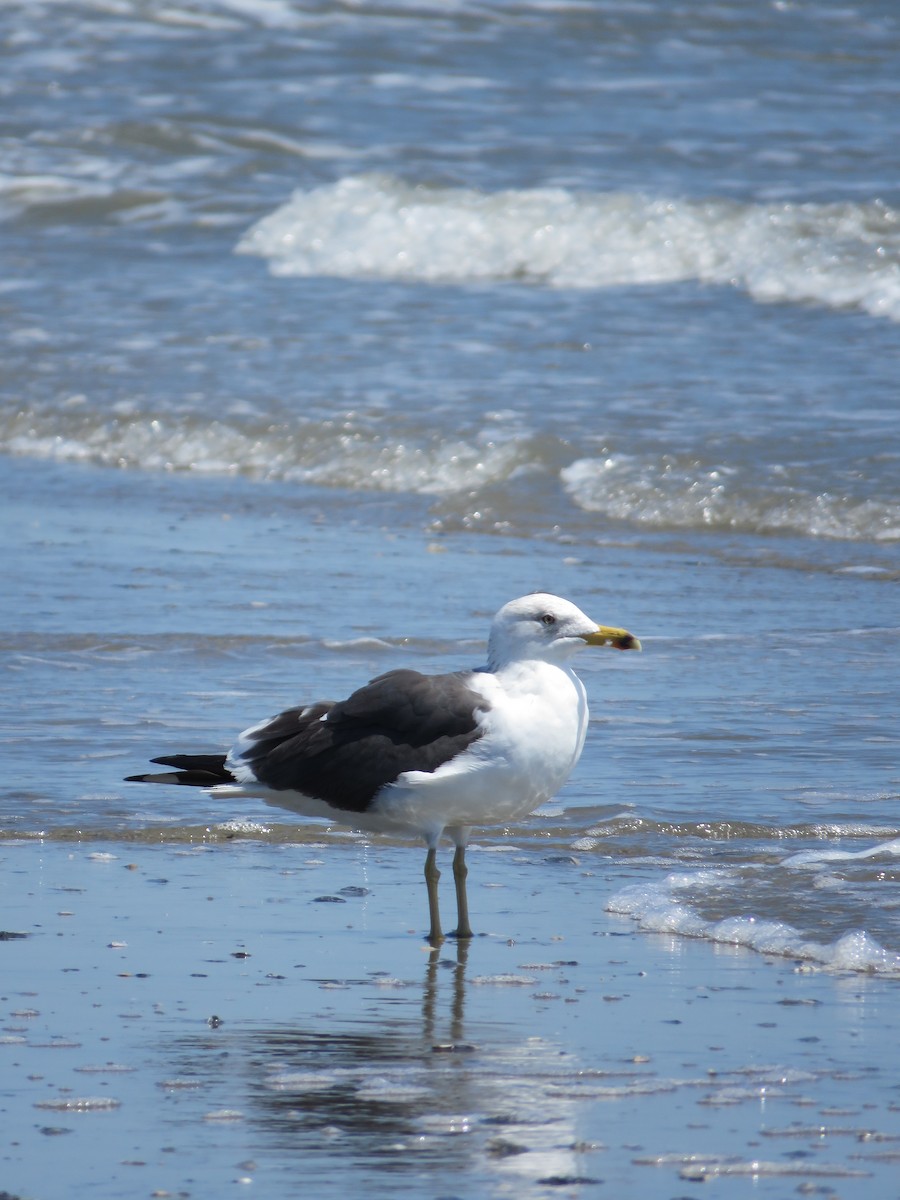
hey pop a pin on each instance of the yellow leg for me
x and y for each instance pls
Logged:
(460, 871)
(432, 875)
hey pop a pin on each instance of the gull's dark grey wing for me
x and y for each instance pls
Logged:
(344, 752)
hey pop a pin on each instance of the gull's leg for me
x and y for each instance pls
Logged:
(432, 875)
(460, 871)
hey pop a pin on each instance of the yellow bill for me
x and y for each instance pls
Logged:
(609, 635)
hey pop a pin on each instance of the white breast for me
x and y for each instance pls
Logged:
(534, 732)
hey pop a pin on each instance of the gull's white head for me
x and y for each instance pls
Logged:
(546, 627)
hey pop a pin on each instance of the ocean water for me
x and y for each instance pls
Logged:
(327, 328)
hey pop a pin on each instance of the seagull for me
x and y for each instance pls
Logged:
(427, 754)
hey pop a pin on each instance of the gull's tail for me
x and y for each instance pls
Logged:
(193, 770)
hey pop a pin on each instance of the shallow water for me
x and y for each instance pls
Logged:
(326, 330)
(744, 763)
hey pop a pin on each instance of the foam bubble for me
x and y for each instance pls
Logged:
(80, 1104)
(307, 1081)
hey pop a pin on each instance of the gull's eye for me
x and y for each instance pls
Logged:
(548, 620)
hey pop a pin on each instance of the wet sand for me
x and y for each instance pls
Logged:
(194, 1019)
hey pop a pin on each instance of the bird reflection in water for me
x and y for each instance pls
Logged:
(392, 1091)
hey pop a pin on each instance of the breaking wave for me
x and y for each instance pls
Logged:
(836, 255)
(327, 453)
(673, 905)
(481, 472)
(668, 493)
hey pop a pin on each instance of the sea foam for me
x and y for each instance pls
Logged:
(377, 226)
(664, 491)
(323, 453)
(664, 907)
(651, 490)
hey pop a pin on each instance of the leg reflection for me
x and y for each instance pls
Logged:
(433, 973)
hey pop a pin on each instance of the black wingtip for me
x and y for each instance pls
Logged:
(190, 770)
